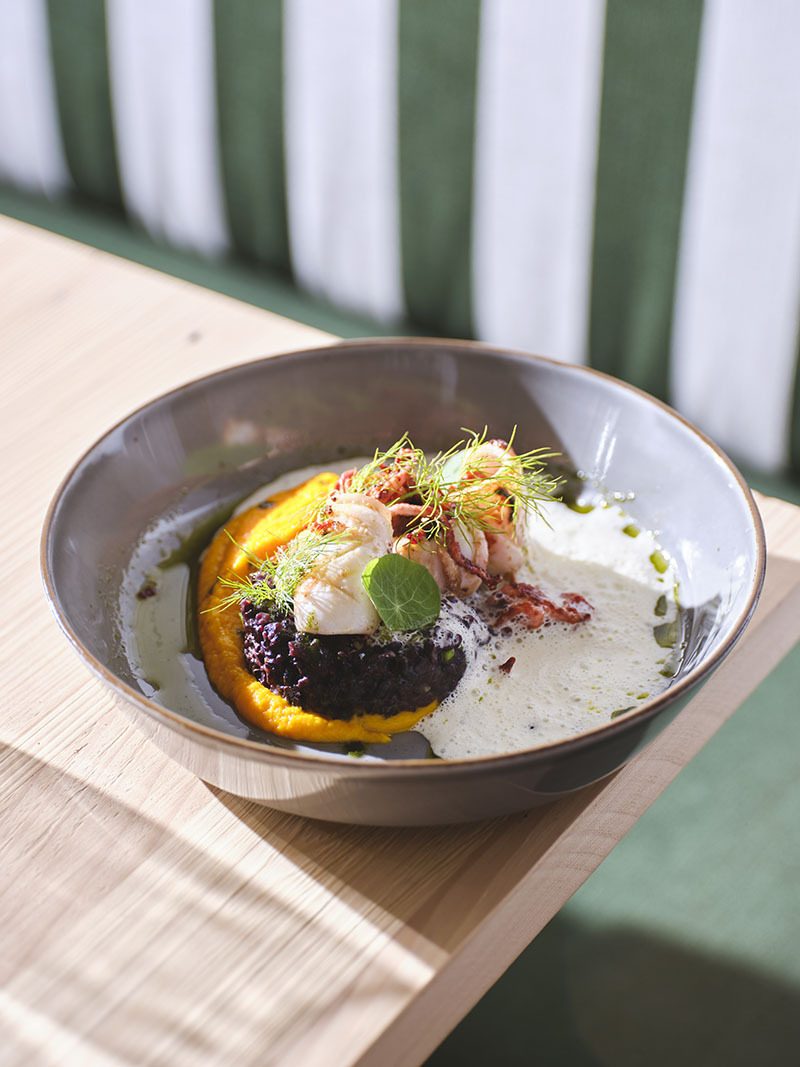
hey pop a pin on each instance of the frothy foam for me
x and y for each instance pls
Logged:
(565, 679)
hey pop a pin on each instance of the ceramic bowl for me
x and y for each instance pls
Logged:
(146, 497)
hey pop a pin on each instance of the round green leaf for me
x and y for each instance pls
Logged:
(404, 593)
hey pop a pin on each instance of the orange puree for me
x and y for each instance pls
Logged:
(261, 532)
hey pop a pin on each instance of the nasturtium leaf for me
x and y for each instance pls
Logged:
(404, 593)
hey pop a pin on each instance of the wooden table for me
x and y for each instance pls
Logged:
(149, 919)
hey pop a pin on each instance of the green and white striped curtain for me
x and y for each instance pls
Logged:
(614, 182)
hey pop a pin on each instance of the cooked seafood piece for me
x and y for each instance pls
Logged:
(332, 598)
(458, 566)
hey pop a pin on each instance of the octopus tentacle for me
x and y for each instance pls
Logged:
(529, 605)
(454, 550)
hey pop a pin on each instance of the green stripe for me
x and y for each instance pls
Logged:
(438, 48)
(80, 69)
(249, 72)
(648, 84)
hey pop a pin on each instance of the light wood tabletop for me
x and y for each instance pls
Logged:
(151, 919)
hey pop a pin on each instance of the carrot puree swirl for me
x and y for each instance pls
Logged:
(260, 532)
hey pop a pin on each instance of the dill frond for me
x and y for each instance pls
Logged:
(468, 484)
(488, 472)
(272, 582)
(400, 457)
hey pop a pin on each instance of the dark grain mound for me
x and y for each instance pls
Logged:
(342, 675)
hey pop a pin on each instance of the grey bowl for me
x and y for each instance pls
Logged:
(161, 479)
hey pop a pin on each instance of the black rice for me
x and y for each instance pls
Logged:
(339, 676)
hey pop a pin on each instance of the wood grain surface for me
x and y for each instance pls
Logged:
(148, 919)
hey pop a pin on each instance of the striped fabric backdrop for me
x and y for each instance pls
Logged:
(615, 182)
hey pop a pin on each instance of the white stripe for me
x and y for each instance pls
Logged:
(736, 312)
(31, 153)
(539, 81)
(161, 64)
(341, 156)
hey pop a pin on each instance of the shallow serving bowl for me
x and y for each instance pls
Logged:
(155, 486)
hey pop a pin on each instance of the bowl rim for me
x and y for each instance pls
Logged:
(562, 748)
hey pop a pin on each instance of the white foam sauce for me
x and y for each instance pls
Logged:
(565, 679)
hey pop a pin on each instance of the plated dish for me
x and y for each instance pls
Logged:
(435, 593)
(124, 537)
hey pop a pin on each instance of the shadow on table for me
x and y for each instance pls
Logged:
(621, 997)
(128, 892)
(405, 872)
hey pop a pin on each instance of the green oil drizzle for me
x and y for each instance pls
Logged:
(666, 634)
(192, 544)
(188, 553)
(621, 711)
(659, 561)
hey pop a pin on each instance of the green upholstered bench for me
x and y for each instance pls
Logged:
(612, 183)
(615, 183)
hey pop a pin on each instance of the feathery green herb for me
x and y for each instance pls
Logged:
(462, 487)
(272, 582)
(466, 485)
(400, 457)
